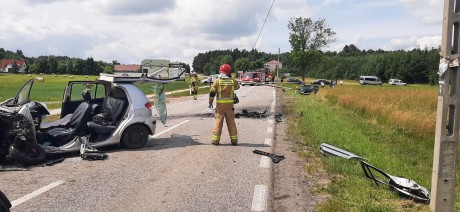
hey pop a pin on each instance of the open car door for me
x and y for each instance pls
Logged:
(22, 97)
(73, 95)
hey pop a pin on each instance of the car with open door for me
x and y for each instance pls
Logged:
(111, 110)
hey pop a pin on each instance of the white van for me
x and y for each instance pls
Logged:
(396, 82)
(369, 80)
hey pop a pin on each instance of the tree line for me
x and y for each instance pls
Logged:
(63, 64)
(307, 37)
(412, 66)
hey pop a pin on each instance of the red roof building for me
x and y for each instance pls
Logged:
(127, 68)
(6, 65)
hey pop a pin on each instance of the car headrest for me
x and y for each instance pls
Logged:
(86, 95)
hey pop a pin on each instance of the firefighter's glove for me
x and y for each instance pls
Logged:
(210, 106)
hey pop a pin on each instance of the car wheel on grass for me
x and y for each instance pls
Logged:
(135, 136)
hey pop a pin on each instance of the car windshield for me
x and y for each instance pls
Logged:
(23, 94)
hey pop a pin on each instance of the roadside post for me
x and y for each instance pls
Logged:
(447, 120)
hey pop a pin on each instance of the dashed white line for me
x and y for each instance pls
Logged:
(268, 141)
(35, 193)
(171, 128)
(269, 130)
(259, 200)
(265, 162)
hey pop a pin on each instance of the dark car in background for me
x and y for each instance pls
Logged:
(318, 82)
(294, 80)
(308, 89)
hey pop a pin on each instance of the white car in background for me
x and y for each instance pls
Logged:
(396, 82)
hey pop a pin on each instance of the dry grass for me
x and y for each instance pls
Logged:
(411, 109)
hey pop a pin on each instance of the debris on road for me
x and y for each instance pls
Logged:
(275, 158)
(246, 113)
(403, 186)
(278, 118)
(87, 152)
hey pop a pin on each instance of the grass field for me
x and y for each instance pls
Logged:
(52, 88)
(392, 127)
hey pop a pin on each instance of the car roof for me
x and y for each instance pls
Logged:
(133, 78)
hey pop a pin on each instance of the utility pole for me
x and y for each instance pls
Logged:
(447, 120)
(277, 66)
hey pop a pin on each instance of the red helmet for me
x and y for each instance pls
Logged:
(226, 69)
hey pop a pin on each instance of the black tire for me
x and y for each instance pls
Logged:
(135, 136)
(32, 154)
(5, 204)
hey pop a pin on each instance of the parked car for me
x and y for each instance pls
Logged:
(210, 79)
(108, 111)
(369, 80)
(308, 89)
(294, 80)
(206, 79)
(318, 82)
(397, 82)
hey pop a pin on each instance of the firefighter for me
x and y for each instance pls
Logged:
(223, 90)
(194, 85)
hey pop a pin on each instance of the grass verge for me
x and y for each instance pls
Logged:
(316, 120)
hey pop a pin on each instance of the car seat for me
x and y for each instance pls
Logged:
(77, 125)
(106, 121)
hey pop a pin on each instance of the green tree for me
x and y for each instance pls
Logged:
(242, 64)
(307, 37)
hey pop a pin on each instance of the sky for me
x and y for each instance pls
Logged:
(130, 31)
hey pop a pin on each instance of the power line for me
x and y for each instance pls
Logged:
(263, 25)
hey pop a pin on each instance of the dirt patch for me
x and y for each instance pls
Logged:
(293, 187)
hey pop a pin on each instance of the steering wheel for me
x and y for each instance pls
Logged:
(41, 109)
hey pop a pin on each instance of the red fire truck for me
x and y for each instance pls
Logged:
(252, 78)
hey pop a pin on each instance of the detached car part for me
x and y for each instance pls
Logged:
(275, 158)
(329, 149)
(403, 186)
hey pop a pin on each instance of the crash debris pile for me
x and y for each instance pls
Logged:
(247, 114)
(18, 143)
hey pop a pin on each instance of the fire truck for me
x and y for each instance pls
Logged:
(252, 78)
(268, 74)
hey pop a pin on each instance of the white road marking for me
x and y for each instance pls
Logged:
(265, 162)
(269, 130)
(259, 200)
(35, 193)
(171, 128)
(271, 121)
(208, 110)
(268, 141)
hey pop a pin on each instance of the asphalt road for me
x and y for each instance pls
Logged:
(178, 170)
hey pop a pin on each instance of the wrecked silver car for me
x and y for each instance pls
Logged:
(108, 111)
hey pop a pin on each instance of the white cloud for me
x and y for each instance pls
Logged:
(330, 2)
(130, 31)
(412, 42)
(428, 11)
(429, 42)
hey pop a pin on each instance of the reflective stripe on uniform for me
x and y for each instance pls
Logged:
(234, 137)
(224, 101)
(215, 138)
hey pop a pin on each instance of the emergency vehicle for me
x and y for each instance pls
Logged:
(252, 78)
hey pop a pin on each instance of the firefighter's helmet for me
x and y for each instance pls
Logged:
(226, 69)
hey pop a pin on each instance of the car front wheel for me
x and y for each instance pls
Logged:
(135, 136)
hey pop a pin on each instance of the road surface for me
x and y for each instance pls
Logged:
(178, 170)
